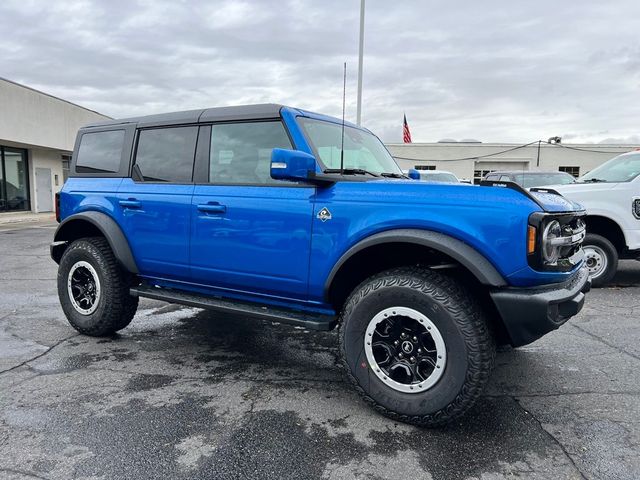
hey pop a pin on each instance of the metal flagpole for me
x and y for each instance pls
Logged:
(360, 53)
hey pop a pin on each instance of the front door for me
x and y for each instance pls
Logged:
(44, 192)
(250, 233)
(155, 205)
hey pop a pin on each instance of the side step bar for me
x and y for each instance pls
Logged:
(274, 314)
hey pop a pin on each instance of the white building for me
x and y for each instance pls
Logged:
(37, 133)
(472, 161)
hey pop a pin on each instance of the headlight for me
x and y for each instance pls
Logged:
(550, 249)
(554, 241)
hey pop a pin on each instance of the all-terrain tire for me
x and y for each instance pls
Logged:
(598, 249)
(115, 308)
(451, 309)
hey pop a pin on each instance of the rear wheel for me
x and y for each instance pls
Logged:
(601, 258)
(416, 346)
(94, 289)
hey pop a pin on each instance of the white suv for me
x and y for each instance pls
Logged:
(611, 196)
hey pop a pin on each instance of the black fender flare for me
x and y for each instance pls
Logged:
(66, 231)
(462, 252)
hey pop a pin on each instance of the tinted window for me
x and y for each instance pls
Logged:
(167, 154)
(542, 179)
(505, 178)
(241, 152)
(100, 152)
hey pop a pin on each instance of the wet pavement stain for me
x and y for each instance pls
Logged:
(136, 437)
(268, 439)
(83, 360)
(140, 383)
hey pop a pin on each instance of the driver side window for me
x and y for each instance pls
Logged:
(241, 152)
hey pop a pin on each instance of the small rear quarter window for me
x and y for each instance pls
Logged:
(100, 152)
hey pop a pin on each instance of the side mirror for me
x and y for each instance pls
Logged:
(413, 174)
(291, 165)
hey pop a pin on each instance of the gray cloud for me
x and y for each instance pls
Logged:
(493, 70)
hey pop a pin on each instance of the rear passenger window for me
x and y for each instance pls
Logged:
(100, 152)
(167, 154)
(241, 152)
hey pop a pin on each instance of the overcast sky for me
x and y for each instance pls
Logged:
(513, 71)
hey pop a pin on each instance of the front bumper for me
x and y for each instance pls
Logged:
(530, 313)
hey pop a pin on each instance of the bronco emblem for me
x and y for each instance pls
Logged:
(324, 214)
(407, 347)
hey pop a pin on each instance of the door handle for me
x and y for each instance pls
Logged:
(212, 207)
(130, 203)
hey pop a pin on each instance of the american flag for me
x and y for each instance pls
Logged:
(406, 134)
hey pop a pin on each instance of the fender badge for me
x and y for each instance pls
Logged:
(324, 214)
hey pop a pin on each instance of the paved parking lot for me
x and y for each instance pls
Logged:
(184, 393)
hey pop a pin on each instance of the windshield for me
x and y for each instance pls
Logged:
(362, 150)
(542, 179)
(439, 177)
(623, 168)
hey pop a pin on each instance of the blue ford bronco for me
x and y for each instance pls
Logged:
(282, 214)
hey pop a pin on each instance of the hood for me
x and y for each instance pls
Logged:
(457, 195)
(584, 193)
(578, 188)
(556, 203)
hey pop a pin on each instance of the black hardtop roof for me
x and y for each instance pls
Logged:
(218, 114)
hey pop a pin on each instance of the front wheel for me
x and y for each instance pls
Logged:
(601, 258)
(416, 346)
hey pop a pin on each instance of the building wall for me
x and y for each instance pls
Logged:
(45, 126)
(35, 118)
(465, 159)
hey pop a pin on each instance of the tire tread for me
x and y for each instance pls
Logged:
(469, 319)
(120, 306)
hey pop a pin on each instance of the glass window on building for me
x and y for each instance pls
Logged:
(478, 175)
(66, 163)
(14, 180)
(575, 171)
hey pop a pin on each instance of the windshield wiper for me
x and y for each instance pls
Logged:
(351, 171)
(593, 180)
(394, 175)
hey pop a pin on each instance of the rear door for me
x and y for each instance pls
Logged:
(250, 233)
(155, 204)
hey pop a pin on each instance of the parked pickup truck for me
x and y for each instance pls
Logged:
(282, 214)
(611, 196)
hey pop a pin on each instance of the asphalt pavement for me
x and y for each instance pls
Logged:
(184, 393)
